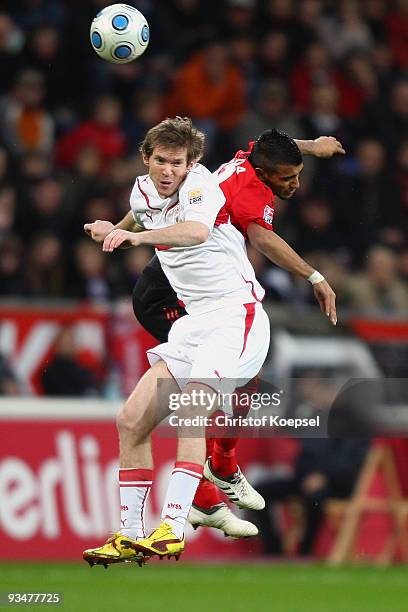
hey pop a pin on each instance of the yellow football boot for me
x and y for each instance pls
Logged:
(117, 549)
(161, 542)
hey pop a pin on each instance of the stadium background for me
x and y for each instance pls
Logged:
(70, 126)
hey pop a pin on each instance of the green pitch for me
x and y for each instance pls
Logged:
(183, 587)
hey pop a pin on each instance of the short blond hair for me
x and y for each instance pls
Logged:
(175, 133)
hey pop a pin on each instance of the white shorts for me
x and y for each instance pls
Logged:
(222, 348)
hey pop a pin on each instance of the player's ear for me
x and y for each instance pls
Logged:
(146, 160)
(260, 173)
(191, 164)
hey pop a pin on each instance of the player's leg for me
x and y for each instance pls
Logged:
(168, 539)
(135, 421)
(223, 457)
(222, 469)
(209, 508)
(156, 307)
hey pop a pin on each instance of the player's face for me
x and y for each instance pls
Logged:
(283, 179)
(167, 168)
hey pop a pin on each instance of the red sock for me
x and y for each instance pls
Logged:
(223, 459)
(207, 494)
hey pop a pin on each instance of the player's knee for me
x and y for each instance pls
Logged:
(128, 422)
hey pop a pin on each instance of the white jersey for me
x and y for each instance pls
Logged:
(209, 275)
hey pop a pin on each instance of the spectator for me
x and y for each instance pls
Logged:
(92, 279)
(135, 260)
(25, 125)
(33, 168)
(317, 228)
(388, 122)
(44, 270)
(11, 43)
(44, 53)
(374, 13)
(184, 25)
(369, 184)
(270, 109)
(240, 16)
(278, 15)
(64, 376)
(308, 15)
(274, 56)
(12, 283)
(7, 210)
(345, 31)
(146, 110)
(401, 180)
(103, 132)
(314, 69)
(397, 27)
(43, 209)
(323, 116)
(211, 90)
(5, 172)
(378, 290)
(357, 84)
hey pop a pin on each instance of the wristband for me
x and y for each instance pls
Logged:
(315, 277)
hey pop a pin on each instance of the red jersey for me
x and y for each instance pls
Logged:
(248, 199)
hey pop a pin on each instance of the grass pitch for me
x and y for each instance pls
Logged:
(183, 587)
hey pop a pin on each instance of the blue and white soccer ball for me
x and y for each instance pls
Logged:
(119, 33)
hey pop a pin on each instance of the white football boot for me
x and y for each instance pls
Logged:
(236, 488)
(221, 517)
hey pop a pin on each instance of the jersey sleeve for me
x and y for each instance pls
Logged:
(201, 199)
(254, 203)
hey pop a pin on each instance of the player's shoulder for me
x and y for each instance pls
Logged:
(198, 178)
(140, 180)
(198, 172)
(253, 190)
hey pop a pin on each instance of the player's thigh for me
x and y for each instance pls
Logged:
(236, 347)
(148, 403)
(256, 346)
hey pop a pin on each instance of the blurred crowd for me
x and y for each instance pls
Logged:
(71, 124)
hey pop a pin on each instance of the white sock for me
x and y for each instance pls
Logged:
(183, 484)
(134, 486)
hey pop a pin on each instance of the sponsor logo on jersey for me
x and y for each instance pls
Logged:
(195, 196)
(268, 214)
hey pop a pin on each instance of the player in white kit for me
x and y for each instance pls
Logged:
(224, 337)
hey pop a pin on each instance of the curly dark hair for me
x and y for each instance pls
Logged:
(273, 147)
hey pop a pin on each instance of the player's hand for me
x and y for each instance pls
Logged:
(98, 230)
(326, 297)
(119, 238)
(327, 146)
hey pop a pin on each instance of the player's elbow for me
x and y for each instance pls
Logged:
(200, 233)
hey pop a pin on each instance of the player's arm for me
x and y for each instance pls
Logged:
(184, 234)
(324, 146)
(280, 253)
(98, 230)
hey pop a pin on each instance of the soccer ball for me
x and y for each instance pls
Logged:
(119, 33)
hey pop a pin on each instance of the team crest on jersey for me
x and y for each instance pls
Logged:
(195, 196)
(268, 214)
